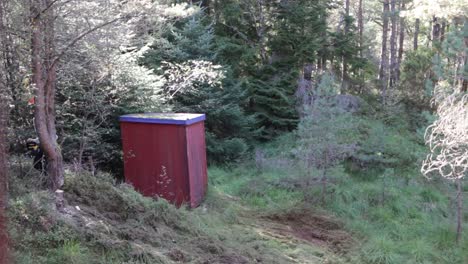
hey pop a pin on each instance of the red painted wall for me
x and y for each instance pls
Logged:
(168, 161)
(196, 153)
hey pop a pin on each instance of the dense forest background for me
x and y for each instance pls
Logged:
(337, 105)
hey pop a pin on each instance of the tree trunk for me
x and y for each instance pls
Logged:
(393, 46)
(464, 87)
(360, 27)
(308, 69)
(320, 64)
(442, 31)
(261, 29)
(4, 251)
(435, 31)
(44, 78)
(55, 167)
(401, 43)
(344, 72)
(11, 65)
(416, 34)
(459, 210)
(361, 41)
(3, 175)
(383, 71)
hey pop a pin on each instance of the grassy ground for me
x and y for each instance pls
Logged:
(252, 214)
(394, 214)
(104, 222)
(411, 223)
(376, 209)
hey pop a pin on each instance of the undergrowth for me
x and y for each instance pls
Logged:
(107, 222)
(397, 215)
(389, 212)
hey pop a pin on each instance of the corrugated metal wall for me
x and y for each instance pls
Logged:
(196, 154)
(167, 161)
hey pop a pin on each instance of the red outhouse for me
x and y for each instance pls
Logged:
(164, 155)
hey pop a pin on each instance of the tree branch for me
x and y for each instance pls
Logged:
(45, 9)
(81, 36)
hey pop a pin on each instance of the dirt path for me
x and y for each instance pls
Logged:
(319, 230)
(304, 236)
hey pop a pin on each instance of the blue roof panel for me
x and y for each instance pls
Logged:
(163, 118)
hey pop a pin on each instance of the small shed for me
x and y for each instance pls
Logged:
(164, 155)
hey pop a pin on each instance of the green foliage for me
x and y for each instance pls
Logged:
(267, 44)
(324, 129)
(70, 252)
(397, 216)
(261, 192)
(228, 150)
(38, 235)
(270, 95)
(393, 221)
(121, 201)
(382, 146)
(89, 108)
(415, 73)
(184, 54)
(241, 63)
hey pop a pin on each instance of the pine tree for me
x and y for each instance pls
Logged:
(187, 55)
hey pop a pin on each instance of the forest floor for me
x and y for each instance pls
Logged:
(255, 211)
(105, 222)
(247, 217)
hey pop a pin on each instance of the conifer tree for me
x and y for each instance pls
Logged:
(186, 55)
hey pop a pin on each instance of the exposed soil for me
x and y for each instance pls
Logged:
(316, 229)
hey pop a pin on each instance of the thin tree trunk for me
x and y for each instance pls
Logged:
(416, 34)
(344, 72)
(429, 35)
(324, 177)
(464, 87)
(11, 66)
(324, 188)
(401, 43)
(4, 255)
(55, 165)
(44, 77)
(459, 210)
(307, 69)
(442, 31)
(261, 30)
(360, 27)
(383, 71)
(4, 250)
(43, 65)
(435, 30)
(393, 46)
(361, 40)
